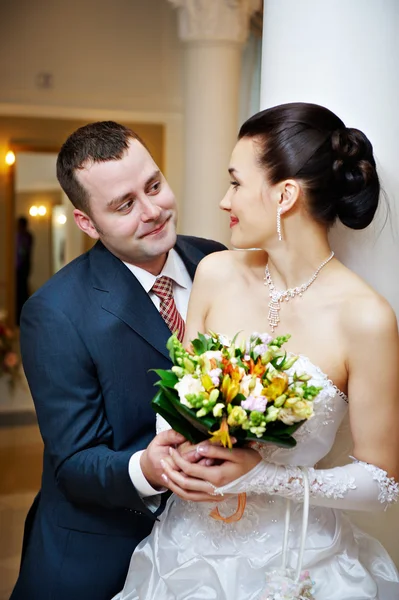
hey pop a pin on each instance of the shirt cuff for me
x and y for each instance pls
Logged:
(144, 489)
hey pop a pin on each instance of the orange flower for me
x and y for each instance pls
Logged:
(259, 369)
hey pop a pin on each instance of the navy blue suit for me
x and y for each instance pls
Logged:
(88, 338)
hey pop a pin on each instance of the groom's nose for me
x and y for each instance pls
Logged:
(150, 211)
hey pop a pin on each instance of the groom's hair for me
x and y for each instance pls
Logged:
(94, 143)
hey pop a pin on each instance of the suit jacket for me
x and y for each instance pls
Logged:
(89, 337)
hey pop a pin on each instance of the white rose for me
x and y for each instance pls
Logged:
(287, 416)
(188, 385)
(256, 390)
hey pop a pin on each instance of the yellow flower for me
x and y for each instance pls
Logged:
(222, 435)
(237, 417)
(277, 387)
(230, 389)
(207, 382)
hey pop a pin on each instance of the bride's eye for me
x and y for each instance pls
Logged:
(235, 184)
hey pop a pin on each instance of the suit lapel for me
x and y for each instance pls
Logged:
(124, 296)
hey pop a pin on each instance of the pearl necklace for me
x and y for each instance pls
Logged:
(277, 296)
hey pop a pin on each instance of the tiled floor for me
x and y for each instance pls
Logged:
(20, 470)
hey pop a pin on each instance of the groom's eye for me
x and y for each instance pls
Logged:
(154, 188)
(124, 207)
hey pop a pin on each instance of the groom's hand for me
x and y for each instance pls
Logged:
(158, 449)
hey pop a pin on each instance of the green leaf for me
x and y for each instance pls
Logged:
(162, 406)
(171, 347)
(204, 340)
(284, 441)
(238, 399)
(233, 341)
(166, 378)
(203, 424)
(198, 347)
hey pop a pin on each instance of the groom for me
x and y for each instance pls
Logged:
(89, 337)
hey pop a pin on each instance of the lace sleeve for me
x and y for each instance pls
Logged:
(355, 486)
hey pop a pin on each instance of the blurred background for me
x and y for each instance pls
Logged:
(184, 74)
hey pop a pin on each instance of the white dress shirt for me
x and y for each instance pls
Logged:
(175, 269)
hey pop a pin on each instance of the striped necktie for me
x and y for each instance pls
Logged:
(163, 288)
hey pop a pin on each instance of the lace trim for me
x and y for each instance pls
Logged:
(287, 481)
(321, 485)
(388, 487)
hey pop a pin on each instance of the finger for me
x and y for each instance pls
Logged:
(169, 438)
(207, 462)
(185, 447)
(189, 495)
(191, 456)
(168, 460)
(208, 474)
(218, 452)
(187, 483)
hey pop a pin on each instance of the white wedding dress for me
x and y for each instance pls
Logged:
(191, 556)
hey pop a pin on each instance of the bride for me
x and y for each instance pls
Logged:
(295, 169)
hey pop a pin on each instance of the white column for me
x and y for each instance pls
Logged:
(214, 32)
(343, 55)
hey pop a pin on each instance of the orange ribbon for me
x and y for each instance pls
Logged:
(242, 501)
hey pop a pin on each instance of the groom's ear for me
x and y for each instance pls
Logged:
(289, 193)
(84, 223)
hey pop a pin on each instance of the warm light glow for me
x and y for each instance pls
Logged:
(61, 219)
(33, 211)
(42, 210)
(10, 158)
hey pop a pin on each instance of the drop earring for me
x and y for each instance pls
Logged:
(280, 237)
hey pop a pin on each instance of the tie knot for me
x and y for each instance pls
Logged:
(163, 287)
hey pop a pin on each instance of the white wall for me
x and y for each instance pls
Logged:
(118, 59)
(344, 55)
(35, 171)
(122, 54)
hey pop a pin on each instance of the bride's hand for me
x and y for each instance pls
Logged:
(190, 453)
(172, 472)
(189, 480)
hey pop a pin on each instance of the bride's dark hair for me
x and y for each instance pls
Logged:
(334, 163)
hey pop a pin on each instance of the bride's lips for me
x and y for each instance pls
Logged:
(233, 221)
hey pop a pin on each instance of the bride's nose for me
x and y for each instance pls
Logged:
(225, 203)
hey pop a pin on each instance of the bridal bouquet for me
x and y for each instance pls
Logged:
(221, 389)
